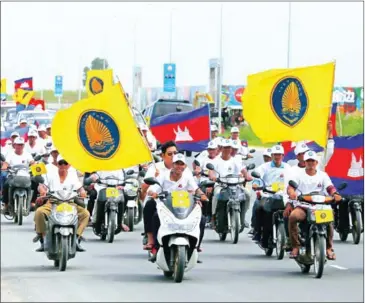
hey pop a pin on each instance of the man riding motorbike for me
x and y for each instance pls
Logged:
(18, 156)
(43, 137)
(57, 180)
(226, 165)
(272, 173)
(176, 180)
(309, 180)
(33, 146)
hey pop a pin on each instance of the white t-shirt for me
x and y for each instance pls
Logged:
(317, 183)
(205, 170)
(70, 183)
(240, 162)
(227, 167)
(272, 175)
(38, 148)
(162, 169)
(45, 141)
(186, 182)
(14, 159)
(52, 169)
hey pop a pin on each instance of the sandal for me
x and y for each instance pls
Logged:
(148, 246)
(294, 253)
(331, 255)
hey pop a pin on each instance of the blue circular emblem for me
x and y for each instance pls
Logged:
(289, 101)
(99, 134)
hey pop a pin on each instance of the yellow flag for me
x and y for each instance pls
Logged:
(98, 80)
(3, 86)
(290, 104)
(23, 96)
(99, 133)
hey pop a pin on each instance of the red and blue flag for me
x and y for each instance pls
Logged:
(24, 83)
(190, 130)
(347, 164)
(5, 135)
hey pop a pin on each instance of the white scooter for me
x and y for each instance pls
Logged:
(179, 231)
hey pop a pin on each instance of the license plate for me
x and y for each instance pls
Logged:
(324, 216)
(277, 186)
(38, 169)
(64, 207)
(112, 192)
(180, 199)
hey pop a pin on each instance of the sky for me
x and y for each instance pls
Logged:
(46, 39)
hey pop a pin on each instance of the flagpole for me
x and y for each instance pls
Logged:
(220, 72)
(171, 35)
(289, 38)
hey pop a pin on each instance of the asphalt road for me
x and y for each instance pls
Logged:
(120, 272)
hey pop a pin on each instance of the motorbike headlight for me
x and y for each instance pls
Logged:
(22, 173)
(131, 192)
(181, 227)
(64, 218)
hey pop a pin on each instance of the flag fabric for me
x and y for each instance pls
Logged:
(290, 104)
(98, 80)
(35, 102)
(289, 148)
(24, 83)
(190, 130)
(347, 164)
(99, 133)
(5, 135)
(23, 96)
(333, 118)
(3, 90)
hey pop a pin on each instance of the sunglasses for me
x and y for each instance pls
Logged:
(62, 162)
(172, 153)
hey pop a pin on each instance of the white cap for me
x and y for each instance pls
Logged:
(143, 126)
(53, 148)
(235, 130)
(32, 133)
(59, 158)
(42, 128)
(236, 144)
(218, 141)
(310, 155)
(267, 152)
(212, 145)
(179, 157)
(213, 128)
(49, 126)
(23, 121)
(301, 148)
(226, 143)
(8, 142)
(14, 134)
(277, 149)
(19, 140)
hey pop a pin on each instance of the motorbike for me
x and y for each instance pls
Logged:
(111, 200)
(179, 231)
(20, 191)
(61, 227)
(277, 238)
(313, 232)
(356, 219)
(231, 204)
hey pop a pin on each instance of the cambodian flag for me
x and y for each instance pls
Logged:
(190, 130)
(347, 164)
(333, 118)
(289, 148)
(24, 83)
(23, 132)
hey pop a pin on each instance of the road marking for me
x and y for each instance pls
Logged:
(339, 267)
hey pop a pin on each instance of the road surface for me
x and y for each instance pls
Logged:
(120, 272)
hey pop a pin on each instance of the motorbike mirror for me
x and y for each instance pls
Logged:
(208, 184)
(150, 181)
(156, 158)
(210, 166)
(130, 172)
(142, 173)
(293, 184)
(2, 157)
(342, 186)
(255, 175)
(251, 166)
(37, 158)
(196, 162)
(252, 151)
(39, 179)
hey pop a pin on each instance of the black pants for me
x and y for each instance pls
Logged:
(148, 211)
(91, 202)
(263, 222)
(156, 225)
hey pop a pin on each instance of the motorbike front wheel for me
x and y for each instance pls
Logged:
(356, 226)
(319, 246)
(20, 202)
(139, 211)
(179, 264)
(112, 216)
(63, 248)
(280, 241)
(235, 228)
(130, 218)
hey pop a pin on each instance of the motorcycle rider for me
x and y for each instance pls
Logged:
(176, 180)
(309, 180)
(56, 180)
(43, 137)
(226, 165)
(7, 148)
(18, 156)
(272, 173)
(49, 130)
(22, 124)
(243, 149)
(33, 146)
(151, 140)
(267, 158)
(213, 132)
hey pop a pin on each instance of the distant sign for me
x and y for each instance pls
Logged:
(58, 86)
(169, 77)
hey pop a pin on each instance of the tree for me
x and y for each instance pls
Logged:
(97, 63)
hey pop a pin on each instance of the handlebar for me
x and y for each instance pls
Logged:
(265, 190)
